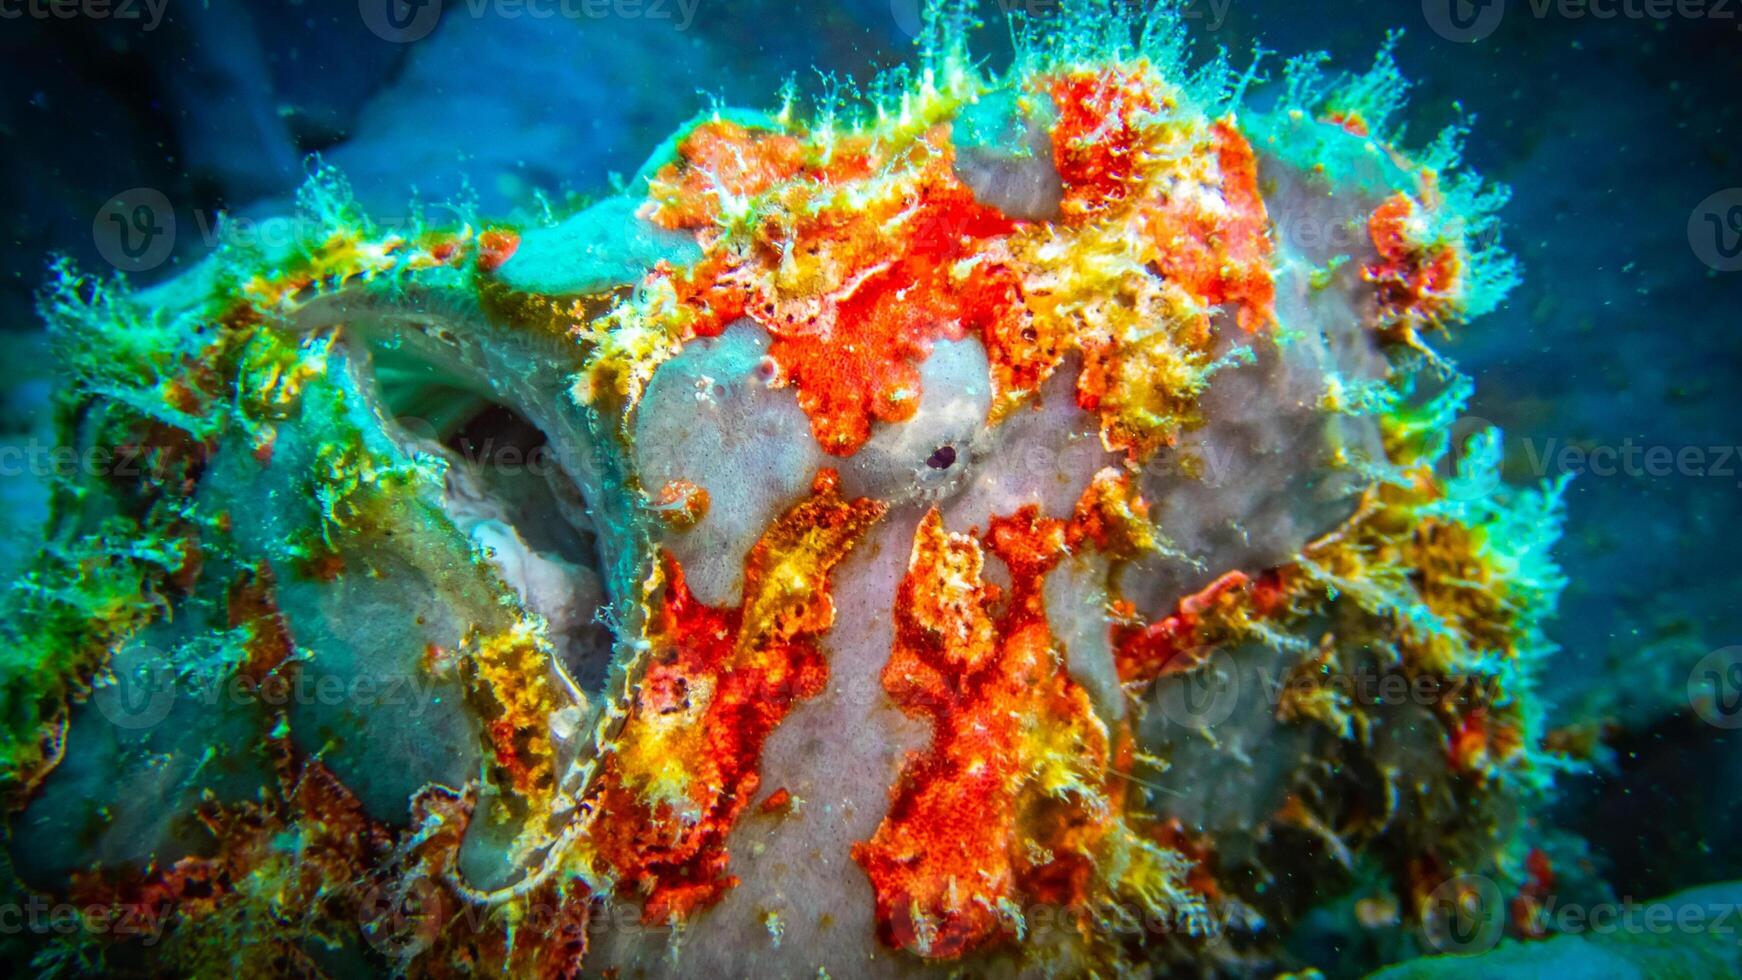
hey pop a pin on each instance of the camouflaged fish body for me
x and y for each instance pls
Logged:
(951, 533)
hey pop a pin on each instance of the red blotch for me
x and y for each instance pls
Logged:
(496, 246)
(1096, 140)
(1176, 643)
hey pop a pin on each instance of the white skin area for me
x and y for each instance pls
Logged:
(1004, 154)
(711, 417)
(955, 395)
(1248, 489)
(1263, 479)
(838, 754)
(1076, 609)
(567, 595)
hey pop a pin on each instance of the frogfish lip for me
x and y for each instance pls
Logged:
(520, 490)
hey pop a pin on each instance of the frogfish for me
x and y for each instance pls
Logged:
(1001, 522)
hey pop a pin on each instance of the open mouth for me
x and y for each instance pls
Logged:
(508, 490)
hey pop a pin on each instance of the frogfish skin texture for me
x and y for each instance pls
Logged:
(1015, 523)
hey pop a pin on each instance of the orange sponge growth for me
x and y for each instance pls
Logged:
(1418, 281)
(690, 762)
(983, 822)
(852, 279)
